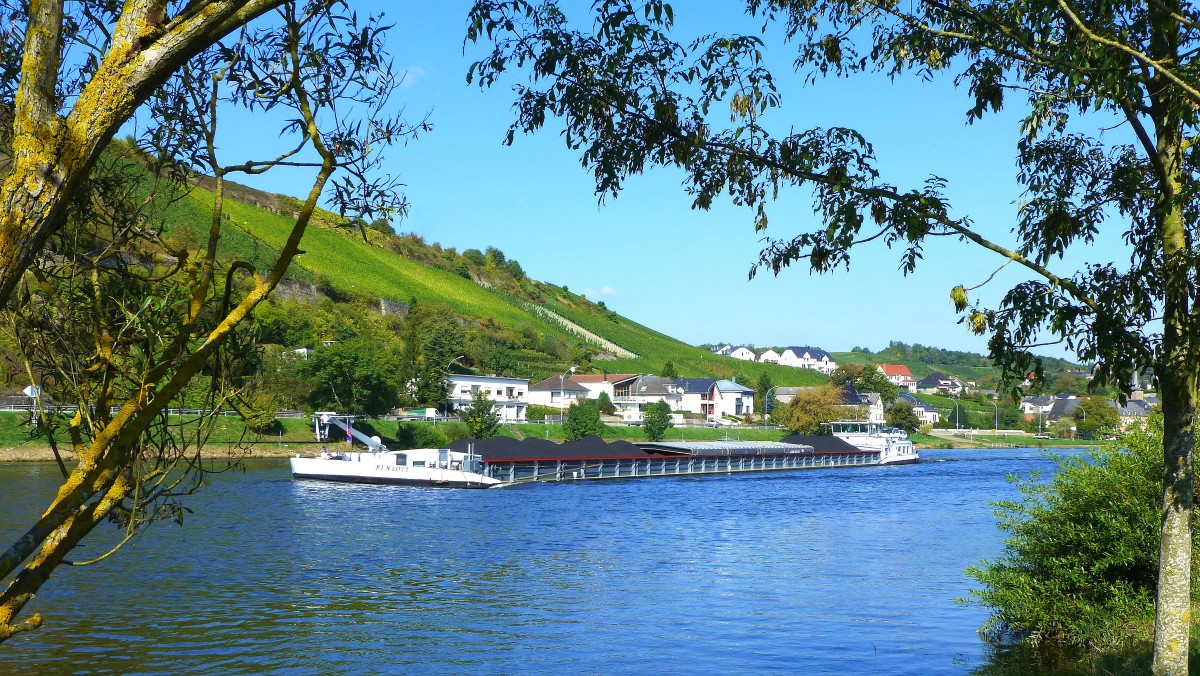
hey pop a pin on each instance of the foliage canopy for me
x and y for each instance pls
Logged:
(632, 94)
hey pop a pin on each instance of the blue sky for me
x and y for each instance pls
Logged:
(647, 254)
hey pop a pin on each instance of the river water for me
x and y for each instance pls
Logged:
(852, 570)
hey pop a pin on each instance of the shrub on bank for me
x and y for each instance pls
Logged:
(1080, 563)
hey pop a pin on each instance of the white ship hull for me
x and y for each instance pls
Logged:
(893, 446)
(383, 468)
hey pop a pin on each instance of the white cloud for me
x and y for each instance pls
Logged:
(604, 292)
(410, 76)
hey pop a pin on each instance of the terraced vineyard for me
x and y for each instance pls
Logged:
(339, 258)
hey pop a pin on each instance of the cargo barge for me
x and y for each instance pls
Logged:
(503, 461)
(514, 462)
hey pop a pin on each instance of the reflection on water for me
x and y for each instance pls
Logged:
(838, 570)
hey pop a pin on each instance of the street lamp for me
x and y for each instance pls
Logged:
(768, 398)
(957, 426)
(996, 429)
(562, 394)
(450, 394)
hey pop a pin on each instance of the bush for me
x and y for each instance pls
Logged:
(455, 431)
(1080, 563)
(583, 419)
(605, 404)
(656, 421)
(480, 417)
(419, 435)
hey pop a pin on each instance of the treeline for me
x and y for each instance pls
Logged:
(326, 355)
(903, 352)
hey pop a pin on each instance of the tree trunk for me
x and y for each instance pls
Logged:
(1176, 366)
(1172, 624)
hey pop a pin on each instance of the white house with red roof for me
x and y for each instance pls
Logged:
(899, 375)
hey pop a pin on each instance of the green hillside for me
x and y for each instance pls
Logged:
(488, 298)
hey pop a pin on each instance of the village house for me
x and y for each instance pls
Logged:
(940, 383)
(769, 356)
(613, 384)
(926, 413)
(556, 392)
(808, 358)
(694, 395)
(744, 353)
(899, 375)
(723, 350)
(726, 397)
(509, 394)
(862, 405)
(1032, 407)
(646, 390)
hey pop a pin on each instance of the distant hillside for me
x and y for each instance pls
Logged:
(923, 360)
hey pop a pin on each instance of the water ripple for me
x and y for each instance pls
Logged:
(850, 570)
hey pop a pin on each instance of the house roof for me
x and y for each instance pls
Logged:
(553, 384)
(916, 403)
(852, 397)
(743, 347)
(465, 378)
(694, 385)
(814, 352)
(730, 386)
(895, 370)
(594, 378)
(1062, 407)
(654, 385)
(936, 379)
(1134, 408)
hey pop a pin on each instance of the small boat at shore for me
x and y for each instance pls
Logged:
(434, 467)
(892, 444)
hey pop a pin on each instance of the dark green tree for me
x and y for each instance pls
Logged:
(352, 377)
(1094, 415)
(871, 380)
(845, 373)
(514, 268)
(382, 225)
(495, 257)
(583, 419)
(656, 420)
(604, 403)
(410, 356)
(669, 370)
(480, 417)
(764, 395)
(475, 256)
(901, 415)
(632, 95)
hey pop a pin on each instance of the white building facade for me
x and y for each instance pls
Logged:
(806, 357)
(511, 395)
